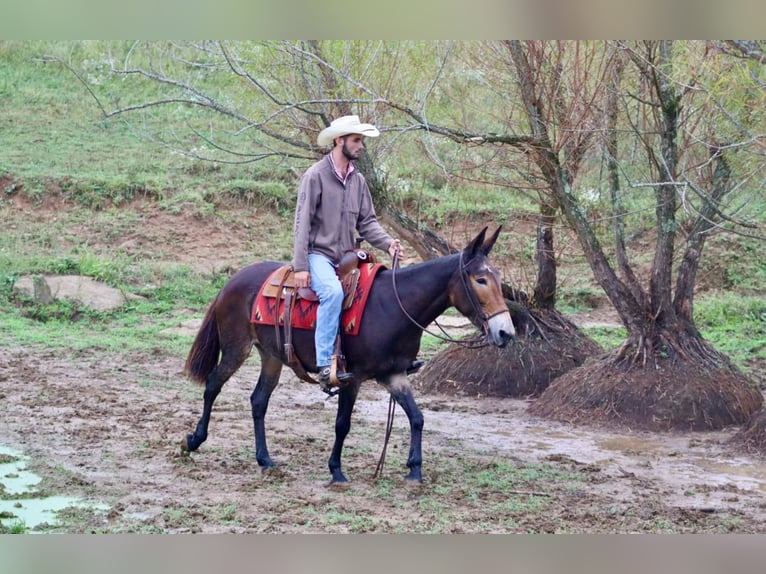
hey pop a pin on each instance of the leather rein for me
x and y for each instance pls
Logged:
(476, 342)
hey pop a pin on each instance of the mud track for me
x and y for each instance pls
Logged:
(108, 430)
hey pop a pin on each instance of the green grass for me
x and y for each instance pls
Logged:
(607, 337)
(734, 324)
(492, 495)
(137, 325)
(15, 527)
(55, 137)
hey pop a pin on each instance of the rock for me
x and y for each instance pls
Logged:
(77, 288)
(42, 291)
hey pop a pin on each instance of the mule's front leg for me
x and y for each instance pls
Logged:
(402, 393)
(346, 399)
(259, 401)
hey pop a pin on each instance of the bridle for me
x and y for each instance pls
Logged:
(475, 343)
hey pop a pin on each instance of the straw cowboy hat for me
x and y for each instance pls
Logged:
(343, 126)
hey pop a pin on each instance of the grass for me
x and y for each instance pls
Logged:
(607, 337)
(15, 527)
(736, 326)
(137, 325)
(469, 488)
(54, 135)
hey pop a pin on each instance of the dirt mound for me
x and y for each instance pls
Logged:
(751, 437)
(552, 345)
(671, 394)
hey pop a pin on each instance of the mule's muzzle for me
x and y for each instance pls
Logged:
(506, 337)
(501, 330)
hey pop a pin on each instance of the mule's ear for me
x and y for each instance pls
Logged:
(475, 244)
(486, 247)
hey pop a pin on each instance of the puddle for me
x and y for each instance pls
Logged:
(13, 474)
(16, 480)
(630, 445)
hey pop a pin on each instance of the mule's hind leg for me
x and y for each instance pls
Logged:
(259, 400)
(232, 358)
(401, 391)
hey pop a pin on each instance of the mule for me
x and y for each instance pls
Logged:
(399, 306)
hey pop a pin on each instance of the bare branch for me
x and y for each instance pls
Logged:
(749, 49)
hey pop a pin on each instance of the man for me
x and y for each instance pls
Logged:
(334, 202)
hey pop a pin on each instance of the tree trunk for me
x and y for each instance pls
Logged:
(660, 287)
(545, 289)
(613, 173)
(426, 243)
(683, 302)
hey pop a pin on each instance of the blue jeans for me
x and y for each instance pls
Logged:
(325, 283)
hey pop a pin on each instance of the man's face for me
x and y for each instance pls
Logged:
(353, 145)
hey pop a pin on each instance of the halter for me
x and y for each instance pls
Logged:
(476, 342)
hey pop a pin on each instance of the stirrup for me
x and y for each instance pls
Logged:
(415, 366)
(329, 390)
(326, 384)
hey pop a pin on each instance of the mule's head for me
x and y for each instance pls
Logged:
(475, 290)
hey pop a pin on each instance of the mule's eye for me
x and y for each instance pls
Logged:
(481, 281)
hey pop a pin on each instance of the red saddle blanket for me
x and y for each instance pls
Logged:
(305, 311)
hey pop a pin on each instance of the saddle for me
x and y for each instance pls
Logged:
(281, 285)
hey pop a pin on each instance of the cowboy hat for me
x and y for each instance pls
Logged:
(343, 126)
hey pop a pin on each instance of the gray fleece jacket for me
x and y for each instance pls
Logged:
(328, 213)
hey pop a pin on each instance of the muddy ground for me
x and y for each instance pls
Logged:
(108, 430)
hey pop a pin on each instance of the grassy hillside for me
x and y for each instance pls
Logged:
(78, 180)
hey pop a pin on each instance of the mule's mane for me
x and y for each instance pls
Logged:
(447, 262)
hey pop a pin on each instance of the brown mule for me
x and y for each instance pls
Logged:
(385, 348)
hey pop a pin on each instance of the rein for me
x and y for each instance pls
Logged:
(476, 342)
(389, 428)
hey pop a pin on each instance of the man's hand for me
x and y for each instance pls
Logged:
(302, 279)
(395, 246)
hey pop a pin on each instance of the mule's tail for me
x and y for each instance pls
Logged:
(205, 351)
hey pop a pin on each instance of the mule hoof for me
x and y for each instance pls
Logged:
(272, 472)
(267, 465)
(189, 444)
(338, 478)
(414, 478)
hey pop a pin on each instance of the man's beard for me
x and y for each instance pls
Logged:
(347, 154)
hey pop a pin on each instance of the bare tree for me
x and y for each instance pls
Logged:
(665, 375)
(276, 97)
(684, 137)
(545, 130)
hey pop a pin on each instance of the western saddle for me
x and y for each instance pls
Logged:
(281, 285)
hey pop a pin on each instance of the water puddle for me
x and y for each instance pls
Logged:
(20, 513)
